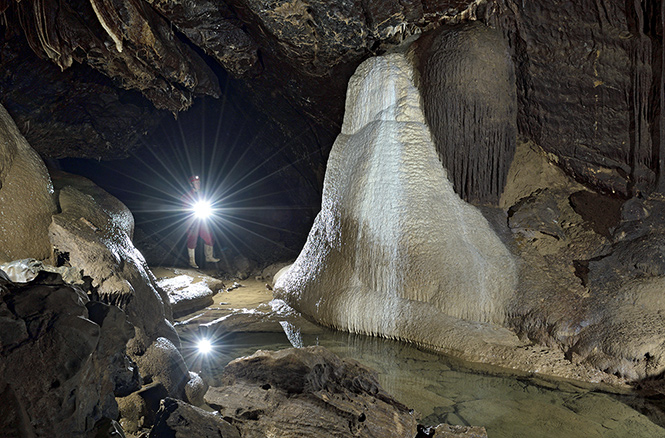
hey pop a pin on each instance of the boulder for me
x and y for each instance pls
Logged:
(307, 392)
(195, 389)
(188, 293)
(62, 360)
(624, 331)
(180, 420)
(138, 410)
(93, 233)
(26, 197)
(162, 362)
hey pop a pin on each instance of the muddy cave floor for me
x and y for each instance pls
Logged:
(244, 318)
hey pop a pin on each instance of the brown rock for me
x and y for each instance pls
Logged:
(138, 410)
(180, 420)
(450, 431)
(308, 392)
(93, 232)
(26, 197)
(59, 369)
(162, 362)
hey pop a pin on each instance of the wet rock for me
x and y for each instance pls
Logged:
(393, 237)
(195, 389)
(307, 392)
(212, 27)
(575, 69)
(78, 112)
(602, 212)
(25, 270)
(638, 250)
(62, 360)
(187, 294)
(26, 197)
(179, 419)
(269, 272)
(141, 48)
(122, 371)
(239, 267)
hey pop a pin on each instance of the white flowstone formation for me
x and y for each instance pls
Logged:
(394, 249)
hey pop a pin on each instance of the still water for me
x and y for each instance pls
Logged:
(442, 389)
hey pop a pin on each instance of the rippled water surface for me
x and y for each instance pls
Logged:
(445, 390)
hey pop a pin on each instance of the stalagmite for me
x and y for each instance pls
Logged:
(394, 250)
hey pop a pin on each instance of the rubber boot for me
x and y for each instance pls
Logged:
(208, 252)
(192, 258)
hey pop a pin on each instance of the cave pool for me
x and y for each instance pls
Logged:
(440, 388)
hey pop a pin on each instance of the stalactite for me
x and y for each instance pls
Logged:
(109, 20)
(468, 88)
(642, 177)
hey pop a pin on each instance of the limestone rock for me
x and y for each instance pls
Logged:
(393, 242)
(585, 77)
(178, 419)
(25, 270)
(195, 389)
(93, 233)
(138, 410)
(26, 197)
(62, 360)
(78, 112)
(624, 332)
(307, 392)
(162, 362)
(535, 215)
(186, 294)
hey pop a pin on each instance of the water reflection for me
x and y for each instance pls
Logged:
(442, 389)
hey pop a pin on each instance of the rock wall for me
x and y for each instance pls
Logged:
(392, 238)
(26, 197)
(589, 81)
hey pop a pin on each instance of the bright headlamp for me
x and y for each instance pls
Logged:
(202, 209)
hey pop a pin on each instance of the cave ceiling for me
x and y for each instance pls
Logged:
(90, 78)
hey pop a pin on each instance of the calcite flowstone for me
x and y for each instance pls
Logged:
(307, 392)
(393, 243)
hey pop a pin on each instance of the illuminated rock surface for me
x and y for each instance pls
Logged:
(393, 243)
(188, 290)
(308, 392)
(26, 197)
(93, 233)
